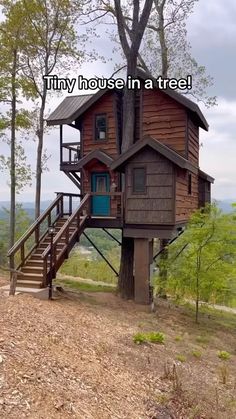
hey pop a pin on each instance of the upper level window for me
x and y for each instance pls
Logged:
(139, 180)
(100, 127)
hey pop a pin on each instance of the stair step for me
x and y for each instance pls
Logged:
(34, 262)
(28, 284)
(28, 276)
(32, 269)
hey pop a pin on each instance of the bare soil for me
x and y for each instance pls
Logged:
(74, 357)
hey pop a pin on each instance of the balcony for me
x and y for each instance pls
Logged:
(70, 154)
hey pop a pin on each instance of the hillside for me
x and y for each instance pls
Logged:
(75, 358)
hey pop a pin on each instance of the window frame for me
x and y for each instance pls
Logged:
(97, 140)
(189, 184)
(144, 192)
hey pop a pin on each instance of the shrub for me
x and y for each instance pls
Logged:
(181, 358)
(196, 354)
(153, 337)
(224, 355)
(139, 338)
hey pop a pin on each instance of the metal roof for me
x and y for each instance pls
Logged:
(67, 108)
(74, 106)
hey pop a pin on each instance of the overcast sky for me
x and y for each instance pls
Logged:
(212, 34)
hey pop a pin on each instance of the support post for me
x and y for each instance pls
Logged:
(142, 259)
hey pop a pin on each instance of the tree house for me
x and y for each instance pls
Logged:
(150, 190)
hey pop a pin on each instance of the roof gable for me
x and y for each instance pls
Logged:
(159, 147)
(74, 106)
(95, 154)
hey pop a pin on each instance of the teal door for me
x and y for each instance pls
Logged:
(101, 203)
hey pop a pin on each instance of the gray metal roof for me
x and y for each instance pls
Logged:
(68, 107)
(74, 106)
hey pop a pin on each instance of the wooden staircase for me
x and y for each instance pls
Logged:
(47, 243)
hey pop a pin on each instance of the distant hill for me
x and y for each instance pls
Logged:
(225, 205)
(27, 206)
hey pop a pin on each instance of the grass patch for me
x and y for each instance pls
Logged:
(84, 286)
(202, 339)
(197, 354)
(181, 358)
(224, 355)
(153, 337)
(178, 338)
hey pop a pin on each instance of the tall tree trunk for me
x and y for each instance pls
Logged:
(40, 135)
(126, 276)
(131, 51)
(13, 168)
(162, 37)
(129, 107)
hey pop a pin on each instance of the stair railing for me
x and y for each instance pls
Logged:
(36, 232)
(76, 220)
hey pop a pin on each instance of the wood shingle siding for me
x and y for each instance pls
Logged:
(104, 105)
(164, 119)
(156, 206)
(193, 142)
(185, 203)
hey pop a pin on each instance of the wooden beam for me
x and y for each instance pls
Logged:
(142, 270)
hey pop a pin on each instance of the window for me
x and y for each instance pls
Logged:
(100, 127)
(139, 180)
(189, 184)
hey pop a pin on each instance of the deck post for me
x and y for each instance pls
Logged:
(142, 260)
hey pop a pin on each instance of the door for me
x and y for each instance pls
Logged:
(101, 203)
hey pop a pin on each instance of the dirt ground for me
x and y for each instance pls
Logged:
(74, 357)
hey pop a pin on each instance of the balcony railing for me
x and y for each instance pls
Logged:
(70, 153)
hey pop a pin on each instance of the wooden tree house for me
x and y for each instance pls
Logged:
(149, 191)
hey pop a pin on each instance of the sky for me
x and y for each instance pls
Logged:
(212, 34)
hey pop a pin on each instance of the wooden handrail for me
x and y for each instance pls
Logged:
(69, 194)
(66, 226)
(34, 226)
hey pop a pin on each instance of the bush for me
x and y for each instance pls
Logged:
(224, 355)
(153, 337)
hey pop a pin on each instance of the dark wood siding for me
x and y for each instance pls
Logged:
(104, 106)
(204, 189)
(164, 119)
(157, 205)
(185, 203)
(193, 142)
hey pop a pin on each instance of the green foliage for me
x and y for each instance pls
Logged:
(102, 240)
(23, 221)
(196, 353)
(202, 261)
(153, 337)
(83, 286)
(178, 338)
(224, 355)
(139, 338)
(181, 358)
(93, 268)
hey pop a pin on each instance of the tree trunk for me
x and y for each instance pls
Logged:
(163, 268)
(162, 38)
(40, 134)
(13, 166)
(126, 275)
(129, 107)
